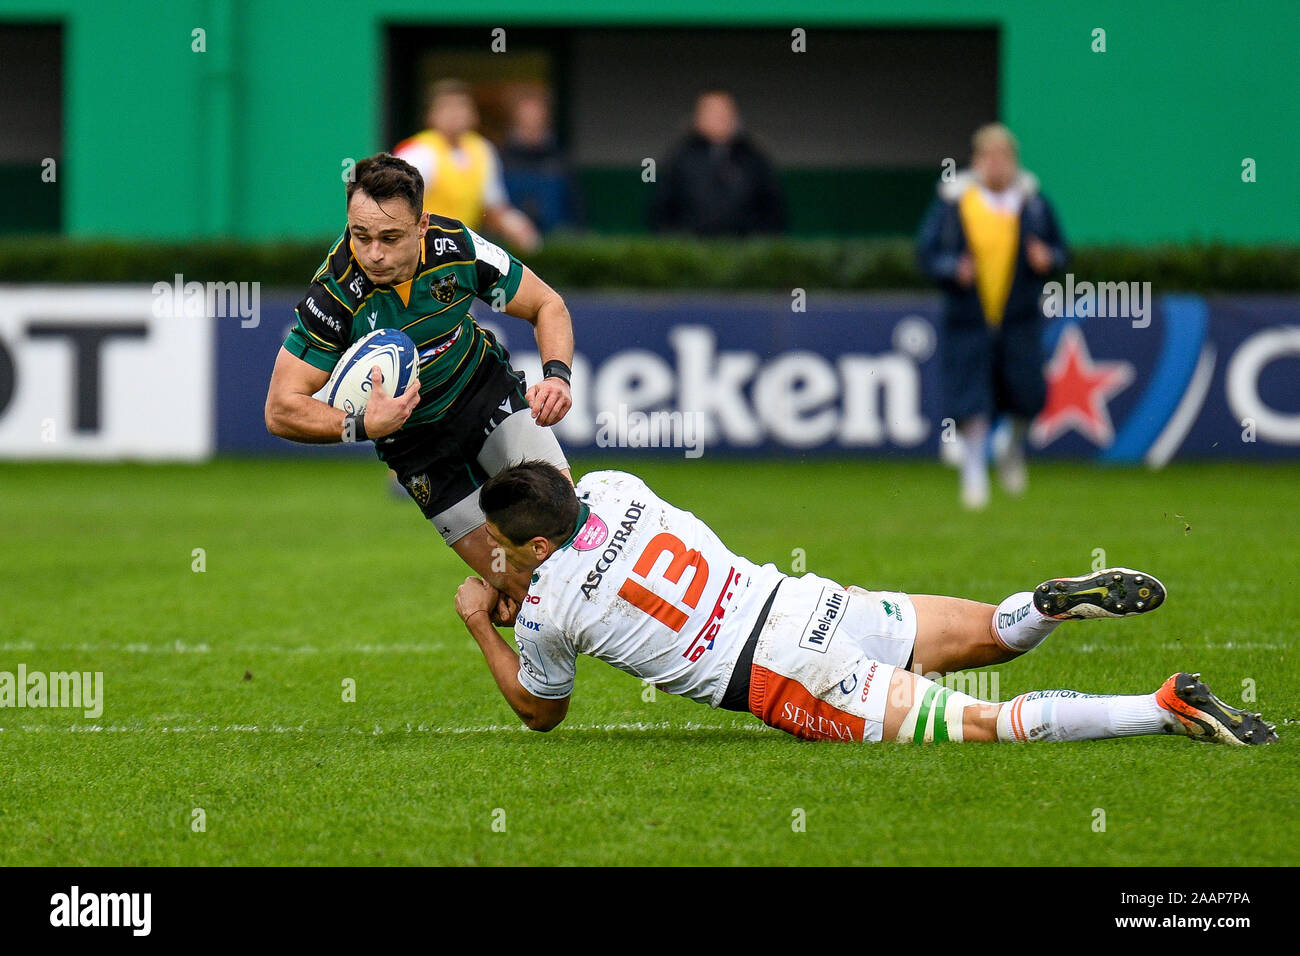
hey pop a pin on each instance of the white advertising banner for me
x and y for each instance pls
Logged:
(102, 372)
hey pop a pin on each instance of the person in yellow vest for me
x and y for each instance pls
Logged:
(461, 169)
(989, 241)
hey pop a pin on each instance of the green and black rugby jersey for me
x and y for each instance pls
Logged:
(456, 264)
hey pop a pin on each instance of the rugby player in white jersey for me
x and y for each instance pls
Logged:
(621, 575)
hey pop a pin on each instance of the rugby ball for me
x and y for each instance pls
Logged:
(392, 350)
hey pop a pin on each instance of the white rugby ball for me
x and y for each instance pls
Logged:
(390, 349)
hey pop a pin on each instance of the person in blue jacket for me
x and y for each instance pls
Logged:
(990, 240)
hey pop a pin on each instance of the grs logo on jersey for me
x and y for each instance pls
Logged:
(611, 553)
(819, 630)
(358, 284)
(442, 245)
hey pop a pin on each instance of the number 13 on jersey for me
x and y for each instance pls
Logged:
(667, 613)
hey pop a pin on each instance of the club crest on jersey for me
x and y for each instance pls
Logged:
(824, 620)
(592, 535)
(444, 289)
(418, 486)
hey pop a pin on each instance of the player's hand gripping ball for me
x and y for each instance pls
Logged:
(392, 350)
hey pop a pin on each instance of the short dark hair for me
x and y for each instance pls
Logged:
(529, 499)
(449, 86)
(715, 89)
(384, 176)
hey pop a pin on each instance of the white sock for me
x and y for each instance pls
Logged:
(1012, 472)
(1016, 445)
(1069, 715)
(1019, 625)
(974, 465)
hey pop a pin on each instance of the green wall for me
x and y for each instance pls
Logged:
(1143, 142)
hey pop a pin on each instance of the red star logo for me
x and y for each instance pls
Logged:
(1077, 392)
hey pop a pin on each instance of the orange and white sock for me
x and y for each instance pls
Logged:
(1069, 715)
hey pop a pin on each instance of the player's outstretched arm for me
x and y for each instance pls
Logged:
(292, 413)
(475, 600)
(538, 304)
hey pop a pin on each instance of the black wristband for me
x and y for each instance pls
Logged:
(556, 369)
(354, 428)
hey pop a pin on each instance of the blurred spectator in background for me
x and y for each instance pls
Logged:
(716, 182)
(461, 169)
(989, 240)
(536, 173)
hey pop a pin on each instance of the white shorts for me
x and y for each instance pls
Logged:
(825, 658)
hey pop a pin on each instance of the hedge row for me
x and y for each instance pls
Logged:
(604, 262)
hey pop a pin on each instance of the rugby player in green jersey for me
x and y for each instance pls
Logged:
(467, 415)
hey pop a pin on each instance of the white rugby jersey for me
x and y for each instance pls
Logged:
(644, 586)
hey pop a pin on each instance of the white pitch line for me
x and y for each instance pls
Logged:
(1186, 646)
(376, 731)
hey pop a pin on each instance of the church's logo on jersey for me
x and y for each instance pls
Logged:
(316, 310)
(592, 535)
(444, 289)
(418, 486)
(823, 621)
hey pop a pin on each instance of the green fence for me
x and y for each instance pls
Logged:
(1143, 142)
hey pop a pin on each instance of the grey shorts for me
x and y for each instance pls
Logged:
(518, 438)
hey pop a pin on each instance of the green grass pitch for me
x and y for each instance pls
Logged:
(224, 688)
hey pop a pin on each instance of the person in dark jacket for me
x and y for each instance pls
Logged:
(536, 170)
(990, 240)
(717, 182)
